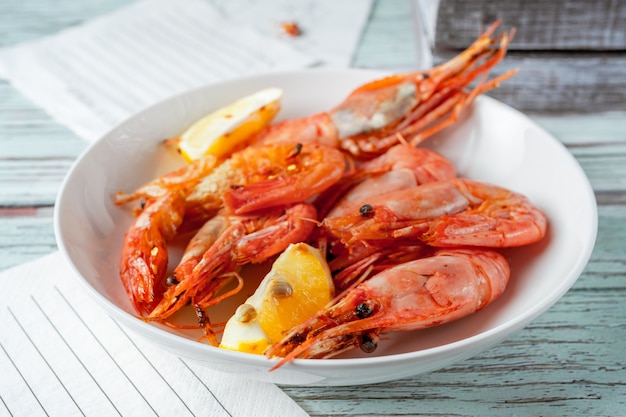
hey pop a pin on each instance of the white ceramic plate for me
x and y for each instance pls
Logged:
(491, 142)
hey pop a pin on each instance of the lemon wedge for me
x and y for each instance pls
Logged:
(221, 132)
(298, 286)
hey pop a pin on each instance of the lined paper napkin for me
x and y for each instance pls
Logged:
(61, 355)
(93, 76)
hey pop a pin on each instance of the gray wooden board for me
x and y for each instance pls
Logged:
(574, 25)
(559, 81)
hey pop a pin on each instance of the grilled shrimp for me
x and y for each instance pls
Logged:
(447, 286)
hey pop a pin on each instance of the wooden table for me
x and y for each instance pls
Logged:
(570, 361)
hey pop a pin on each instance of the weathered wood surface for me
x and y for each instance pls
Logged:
(571, 53)
(574, 25)
(561, 81)
(568, 362)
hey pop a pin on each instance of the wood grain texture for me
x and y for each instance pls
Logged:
(571, 53)
(568, 362)
(561, 81)
(572, 25)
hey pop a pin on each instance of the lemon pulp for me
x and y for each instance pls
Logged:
(227, 129)
(298, 286)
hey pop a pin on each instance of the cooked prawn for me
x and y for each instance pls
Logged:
(415, 105)
(144, 256)
(453, 212)
(449, 285)
(401, 167)
(225, 243)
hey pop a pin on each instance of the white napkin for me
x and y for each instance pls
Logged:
(93, 76)
(60, 354)
(331, 29)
